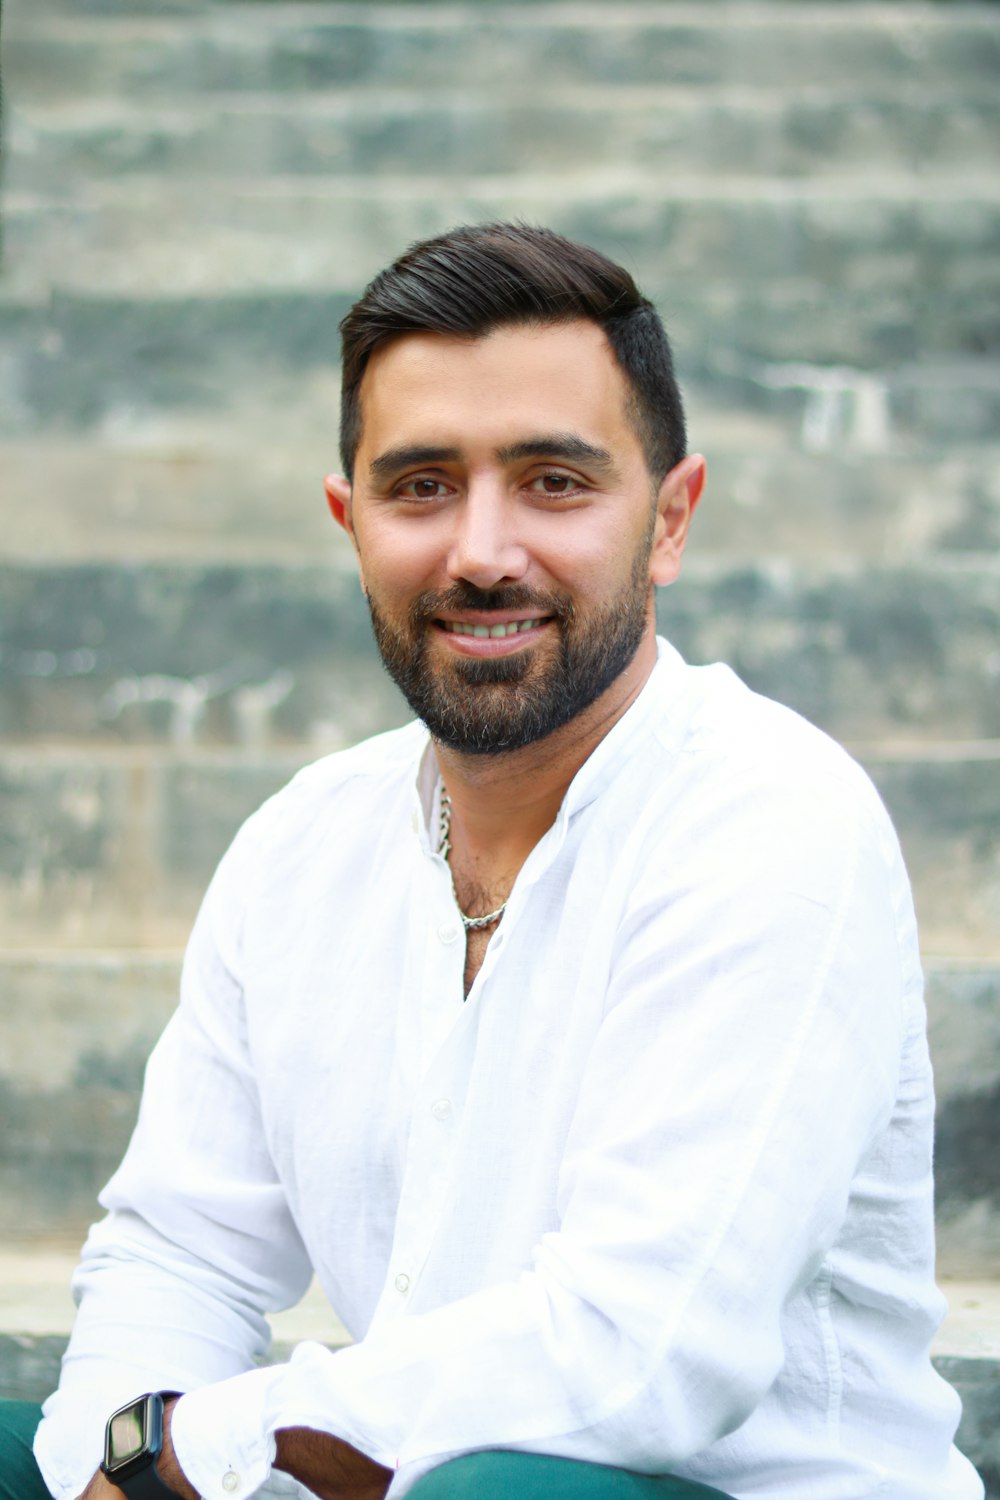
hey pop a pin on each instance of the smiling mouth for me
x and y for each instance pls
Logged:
(491, 632)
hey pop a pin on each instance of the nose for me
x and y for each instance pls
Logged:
(485, 550)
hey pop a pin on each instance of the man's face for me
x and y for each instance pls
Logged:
(507, 528)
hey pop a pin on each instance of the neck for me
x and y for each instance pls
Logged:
(503, 804)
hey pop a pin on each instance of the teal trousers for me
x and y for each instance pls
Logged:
(19, 1476)
(478, 1476)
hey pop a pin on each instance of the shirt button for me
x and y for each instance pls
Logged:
(402, 1282)
(230, 1482)
(441, 1109)
(447, 932)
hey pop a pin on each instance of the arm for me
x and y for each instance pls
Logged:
(198, 1244)
(332, 1470)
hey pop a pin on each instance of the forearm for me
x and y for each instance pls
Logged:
(329, 1467)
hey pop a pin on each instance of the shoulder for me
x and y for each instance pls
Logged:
(737, 742)
(346, 785)
(751, 782)
(756, 821)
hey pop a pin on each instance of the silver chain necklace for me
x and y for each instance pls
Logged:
(471, 924)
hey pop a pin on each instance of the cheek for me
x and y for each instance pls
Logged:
(397, 561)
(593, 559)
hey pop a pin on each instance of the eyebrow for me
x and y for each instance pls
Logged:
(565, 445)
(393, 459)
(559, 445)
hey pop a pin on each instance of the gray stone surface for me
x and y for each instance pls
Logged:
(978, 1383)
(295, 48)
(947, 813)
(825, 295)
(77, 1032)
(260, 655)
(963, 1004)
(180, 655)
(471, 132)
(81, 501)
(120, 855)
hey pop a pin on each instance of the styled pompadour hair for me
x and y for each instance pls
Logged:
(477, 278)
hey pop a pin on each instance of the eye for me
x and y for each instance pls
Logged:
(421, 488)
(555, 484)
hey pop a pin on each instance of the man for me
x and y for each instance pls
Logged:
(573, 1034)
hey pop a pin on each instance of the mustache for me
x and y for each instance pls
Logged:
(463, 596)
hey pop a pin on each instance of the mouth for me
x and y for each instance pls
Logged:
(493, 632)
(486, 635)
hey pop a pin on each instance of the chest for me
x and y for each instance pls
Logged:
(476, 944)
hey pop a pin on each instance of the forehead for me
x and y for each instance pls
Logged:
(464, 391)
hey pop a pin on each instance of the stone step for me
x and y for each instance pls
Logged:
(115, 848)
(79, 1026)
(119, 368)
(82, 501)
(259, 655)
(963, 1005)
(36, 1302)
(293, 48)
(102, 317)
(469, 132)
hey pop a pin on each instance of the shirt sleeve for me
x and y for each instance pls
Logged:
(198, 1245)
(736, 1084)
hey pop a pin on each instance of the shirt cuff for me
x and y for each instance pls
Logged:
(220, 1434)
(223, 1434)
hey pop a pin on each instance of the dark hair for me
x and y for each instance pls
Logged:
(480, 277)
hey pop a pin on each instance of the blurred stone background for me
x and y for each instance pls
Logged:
(195, 192)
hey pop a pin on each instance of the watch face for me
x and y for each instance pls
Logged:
(128, 1434)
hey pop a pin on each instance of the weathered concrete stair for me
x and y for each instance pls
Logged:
(194, 193)
(88, 500)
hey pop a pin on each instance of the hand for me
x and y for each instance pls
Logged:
(167, 1467)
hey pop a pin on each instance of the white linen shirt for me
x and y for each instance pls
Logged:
(658, 1194)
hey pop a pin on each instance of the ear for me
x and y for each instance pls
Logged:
(338, 498)
(679, 495)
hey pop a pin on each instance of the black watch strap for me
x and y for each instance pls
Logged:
(145, 1484)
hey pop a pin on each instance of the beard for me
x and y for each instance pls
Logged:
(493, 706)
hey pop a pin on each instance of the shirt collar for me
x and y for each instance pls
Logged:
(605, 761)
(600, 767)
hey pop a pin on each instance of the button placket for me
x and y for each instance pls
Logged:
(441, 993)
(423, 1192)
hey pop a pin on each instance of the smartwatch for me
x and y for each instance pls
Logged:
(132, 1444)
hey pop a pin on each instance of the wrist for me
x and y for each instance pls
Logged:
(170, 1471)
(138, 1455)
(328, 1466)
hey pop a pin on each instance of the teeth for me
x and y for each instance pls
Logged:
(494, 632)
